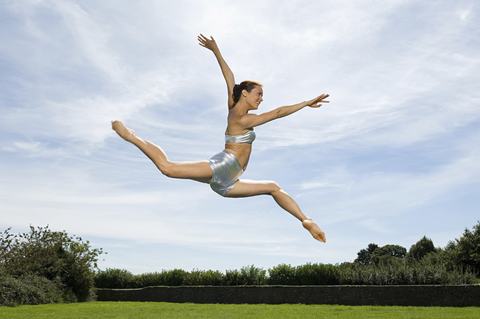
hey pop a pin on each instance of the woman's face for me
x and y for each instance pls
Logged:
(254, 97)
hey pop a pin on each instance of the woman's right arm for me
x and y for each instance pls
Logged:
(227, 73)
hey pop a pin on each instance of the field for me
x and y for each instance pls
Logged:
(189, 310)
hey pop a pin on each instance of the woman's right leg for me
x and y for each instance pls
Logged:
(198, 171)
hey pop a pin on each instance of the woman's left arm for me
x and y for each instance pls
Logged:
(227, 73)
(252, 120)
(290, 109)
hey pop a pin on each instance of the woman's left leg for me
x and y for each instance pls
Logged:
(248, 188)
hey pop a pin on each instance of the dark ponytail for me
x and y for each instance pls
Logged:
(245, 85)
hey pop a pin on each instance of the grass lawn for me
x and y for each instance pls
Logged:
(189, 310)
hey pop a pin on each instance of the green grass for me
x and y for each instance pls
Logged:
(189, 310)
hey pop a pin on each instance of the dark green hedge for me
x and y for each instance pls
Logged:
(421, 273)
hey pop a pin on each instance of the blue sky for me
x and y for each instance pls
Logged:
(394, 156)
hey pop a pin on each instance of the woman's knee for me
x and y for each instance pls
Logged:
(167, 169)
(274, 187)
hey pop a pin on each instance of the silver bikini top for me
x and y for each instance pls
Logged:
(248, 137)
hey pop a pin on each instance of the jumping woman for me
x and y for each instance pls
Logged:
(223, 170)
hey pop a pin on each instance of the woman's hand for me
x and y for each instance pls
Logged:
(207, 43)
(316, 102)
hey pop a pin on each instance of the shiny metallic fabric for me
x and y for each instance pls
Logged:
(225, 172)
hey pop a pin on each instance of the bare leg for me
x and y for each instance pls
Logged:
(247, 188)
(198, 171)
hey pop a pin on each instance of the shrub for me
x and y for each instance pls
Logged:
(282, 275)
(55, 256)
(389, 271)
(212, 278)
(308, 274)
(248, 275)
(203, 278)
(31, 290)
(317, 274)
(113, 278)
(421, 273)
(252, 275)
(148, 280)
(173, 277)
(232, 278)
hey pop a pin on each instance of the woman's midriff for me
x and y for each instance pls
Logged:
(241, 151)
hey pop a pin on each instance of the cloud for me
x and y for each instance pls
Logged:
(465, 13)
(375, 225)
(398, 137)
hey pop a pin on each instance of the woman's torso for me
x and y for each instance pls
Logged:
(240, 150)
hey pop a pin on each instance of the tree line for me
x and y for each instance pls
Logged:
(462, 253)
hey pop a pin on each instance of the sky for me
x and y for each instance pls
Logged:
(393, 157)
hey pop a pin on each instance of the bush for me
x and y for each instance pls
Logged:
(317, 274)
(282, 275)
(203, 278)
(308, 274)
(113, 278)
(232, 278)
(55, 256)
(31, 290)
(251, 275)
(173, 277)
(248, 275)
(120, 278)
(390, 270)
(148, 280)
(211, 278)
(427, 272)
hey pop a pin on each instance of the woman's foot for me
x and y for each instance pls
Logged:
(313, 228)
(124, 132)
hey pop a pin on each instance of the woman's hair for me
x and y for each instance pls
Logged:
(245, 85)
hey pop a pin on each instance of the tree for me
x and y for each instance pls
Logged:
(364, 256)
(394, 251)
(465, 251)
(423, 247)
(53, 255)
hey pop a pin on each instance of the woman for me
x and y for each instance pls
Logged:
(223, 170)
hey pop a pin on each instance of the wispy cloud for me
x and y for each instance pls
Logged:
(398, 137)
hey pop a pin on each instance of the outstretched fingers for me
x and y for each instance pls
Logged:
(202, 40)
(317, 102)
(206, 42)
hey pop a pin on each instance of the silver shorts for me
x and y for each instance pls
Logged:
(225, 172)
